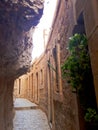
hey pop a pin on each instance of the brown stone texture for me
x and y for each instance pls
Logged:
(93, 47)
(47, 87)
(79, 7)
(6, 101)
(90, 10)
(17, 21)
(44, 83)
(90, 17)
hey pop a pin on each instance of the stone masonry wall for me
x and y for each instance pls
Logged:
(47, 87)
(65, 111)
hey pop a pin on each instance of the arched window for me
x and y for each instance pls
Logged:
(41, 77)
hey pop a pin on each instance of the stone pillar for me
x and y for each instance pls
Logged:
(6, 103)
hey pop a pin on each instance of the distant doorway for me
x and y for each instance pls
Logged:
(50, 104)
(37, 86)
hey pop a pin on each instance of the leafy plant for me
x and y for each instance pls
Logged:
(77, 64)
(91, 115)
(78, 73)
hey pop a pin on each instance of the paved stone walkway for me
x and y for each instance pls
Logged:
(29, 118)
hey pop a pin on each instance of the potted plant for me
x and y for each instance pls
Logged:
(91, 118)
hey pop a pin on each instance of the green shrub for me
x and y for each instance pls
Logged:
(77, 64)
(91, 115)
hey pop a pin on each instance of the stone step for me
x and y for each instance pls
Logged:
(24, 104)
(26, 108)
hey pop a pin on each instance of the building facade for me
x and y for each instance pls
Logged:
(44, 84)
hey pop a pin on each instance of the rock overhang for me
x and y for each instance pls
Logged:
(17, 21)
(24, 13)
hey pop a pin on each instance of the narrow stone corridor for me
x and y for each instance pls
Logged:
(28, 116)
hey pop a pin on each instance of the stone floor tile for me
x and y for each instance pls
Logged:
(21, 102)
(31, 119)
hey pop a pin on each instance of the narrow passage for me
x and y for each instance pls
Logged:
(28, 116)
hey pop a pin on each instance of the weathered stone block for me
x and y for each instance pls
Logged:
(93, 48)
(91, 16)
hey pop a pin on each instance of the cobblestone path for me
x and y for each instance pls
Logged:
(28, 116)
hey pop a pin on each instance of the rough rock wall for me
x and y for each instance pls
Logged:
(22, 13)
(6, 103)
(16, 19)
